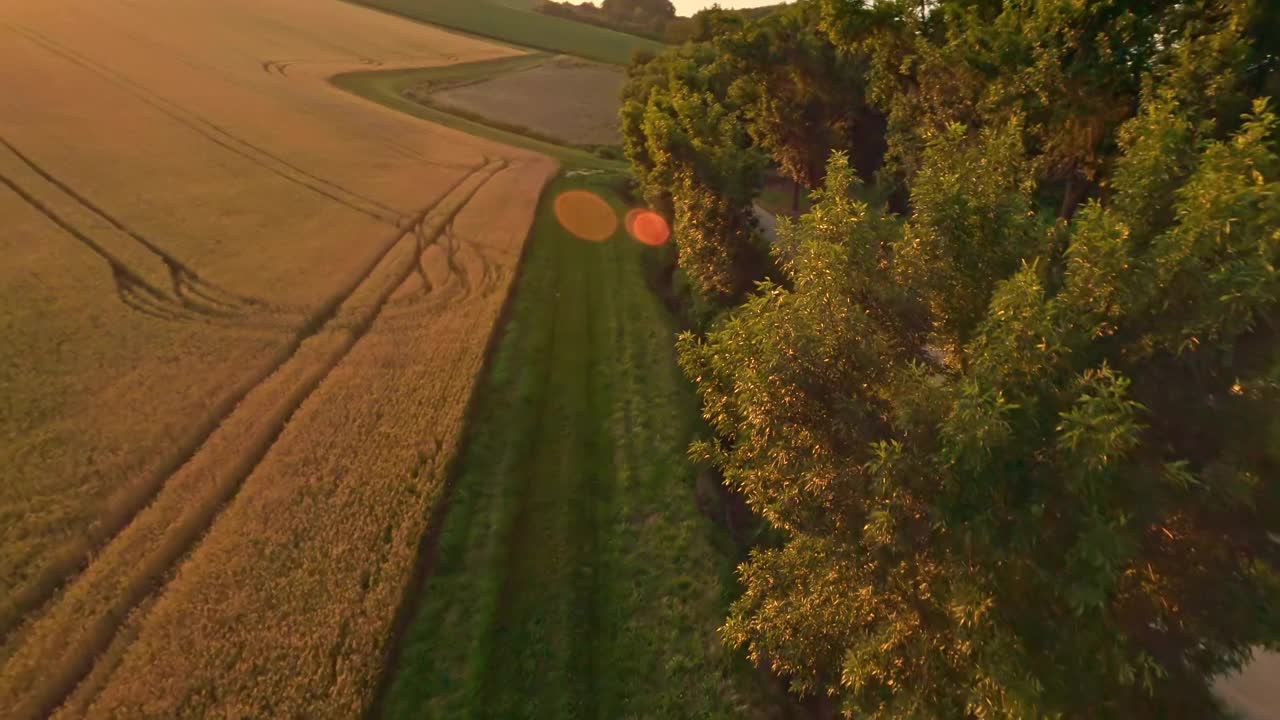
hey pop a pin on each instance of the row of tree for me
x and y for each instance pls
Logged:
(646, 18)
(654, 19)
(1009, 391)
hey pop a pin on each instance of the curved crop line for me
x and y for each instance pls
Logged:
(50, 578)
(54, 678)
(125, 80)
(129, 284)
(222, 137)
(450, 246)
(278, 67)
(184, 278)
(418, 265)
(131, 288)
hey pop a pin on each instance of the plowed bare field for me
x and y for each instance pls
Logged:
(242, 315)
(570, 100)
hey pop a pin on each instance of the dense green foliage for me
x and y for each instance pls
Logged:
(574, 576)
(509, 22)
(1018, 430)
(1072, 72)
(692, 157)
(701, 122)
(802, 97)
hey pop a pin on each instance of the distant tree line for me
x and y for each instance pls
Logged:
(646, 18)
(1010, 392)
(654, 19)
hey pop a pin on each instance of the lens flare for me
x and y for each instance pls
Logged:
(586, 215)
(648, 227)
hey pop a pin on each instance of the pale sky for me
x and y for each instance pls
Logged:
(686, 8)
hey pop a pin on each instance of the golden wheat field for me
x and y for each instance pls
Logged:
(243, 313)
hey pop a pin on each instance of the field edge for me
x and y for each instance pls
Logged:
(428, 546)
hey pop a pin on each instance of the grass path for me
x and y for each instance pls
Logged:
(574, 576)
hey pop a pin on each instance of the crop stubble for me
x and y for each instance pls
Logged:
(245, 313)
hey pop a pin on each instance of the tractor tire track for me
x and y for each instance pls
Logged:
(450, 259)
(420, 266)
(468, 271)
(145, 92)
(131, 288)
(63, 644)
(267, 67)
(281, 67)
(276, 67)
(223, 137)
(184, 279)
(458, 275)
(488, 269)
(66, 564)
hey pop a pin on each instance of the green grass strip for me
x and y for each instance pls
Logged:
(574, 576)
(511, 23)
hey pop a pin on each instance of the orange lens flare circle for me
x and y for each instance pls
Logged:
(586, 215)
(648, 227)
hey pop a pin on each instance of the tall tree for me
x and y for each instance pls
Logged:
(1065, 511)
(694, 161)
(639, 10)
(803, 97)
(1072, 72)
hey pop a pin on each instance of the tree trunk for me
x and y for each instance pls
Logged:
(1074, 194)
(795, 197)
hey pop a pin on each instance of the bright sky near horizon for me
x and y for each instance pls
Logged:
(687, 8)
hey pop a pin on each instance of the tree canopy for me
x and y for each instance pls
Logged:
(1057, 504)
(694, 160)
(1018, 433)
(1073, 72)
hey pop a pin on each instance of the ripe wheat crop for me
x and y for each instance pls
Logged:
(243, 311)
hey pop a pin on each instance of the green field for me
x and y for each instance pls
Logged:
(574, 575)
(388, 87)
(514, 21)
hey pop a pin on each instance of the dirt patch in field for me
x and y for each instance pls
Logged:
(572, 101)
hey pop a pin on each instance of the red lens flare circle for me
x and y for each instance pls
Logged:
(648, 227)
(586, 215)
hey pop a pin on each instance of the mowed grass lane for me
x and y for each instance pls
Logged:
(515, 21)
(574, 575)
